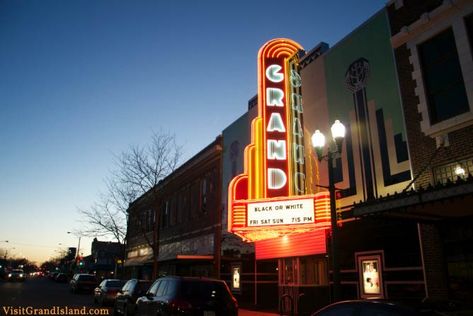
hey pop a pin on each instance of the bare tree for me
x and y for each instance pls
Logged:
(103, 220)
(141, 168)
(135, 171)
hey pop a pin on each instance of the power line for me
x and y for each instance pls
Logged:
(30, 245)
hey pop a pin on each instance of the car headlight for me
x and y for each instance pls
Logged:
(9, 275)
(21, 275)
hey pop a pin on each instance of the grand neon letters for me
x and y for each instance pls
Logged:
(276, 129)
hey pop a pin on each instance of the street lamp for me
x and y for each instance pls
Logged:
(333, 152)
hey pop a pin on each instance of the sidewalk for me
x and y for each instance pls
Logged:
(246, 312)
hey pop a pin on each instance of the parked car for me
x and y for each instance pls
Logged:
(52, 275)
(61, 278)
(16, 275)
(187, 296)
(107, 290)
(371, 307)
(125, 302)
(82, 282)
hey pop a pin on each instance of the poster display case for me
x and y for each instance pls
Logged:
(370, 275)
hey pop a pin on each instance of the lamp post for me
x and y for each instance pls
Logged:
(8, 262)
(333, 152)
(78, 245)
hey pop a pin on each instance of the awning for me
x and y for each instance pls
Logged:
(187, 257)
(138, 261)
(444, 201)
(194, 257)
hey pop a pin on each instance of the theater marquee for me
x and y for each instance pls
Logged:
(270, 198)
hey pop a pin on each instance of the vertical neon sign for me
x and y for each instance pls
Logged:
(269, 199)
(274, 98)
(276, 132)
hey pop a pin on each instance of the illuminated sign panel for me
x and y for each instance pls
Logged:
(270, 198)
(281, 213)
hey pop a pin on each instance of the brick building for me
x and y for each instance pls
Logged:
(105, 258)
(174, 228)
(432, 43)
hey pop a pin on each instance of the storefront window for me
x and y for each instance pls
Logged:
(288, 271)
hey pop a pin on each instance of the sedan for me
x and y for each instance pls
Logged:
(107, 290)
(16, 275)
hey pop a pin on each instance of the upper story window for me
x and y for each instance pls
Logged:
(166, 209)
(185, 203)
(173, 210)
(207, 191)
(134, 224)
(204, 194)
(146, 221)
(441, 57)
(469, 29)
(195, 194)
(452, 171)
(443, 80)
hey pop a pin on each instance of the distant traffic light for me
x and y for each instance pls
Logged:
(80, 261)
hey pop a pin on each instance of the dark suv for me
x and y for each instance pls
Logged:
(83, 282)
(125, 302)
(187, 296)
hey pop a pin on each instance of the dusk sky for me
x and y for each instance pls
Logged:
(81, 81)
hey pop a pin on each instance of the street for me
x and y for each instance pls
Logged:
(40, 292)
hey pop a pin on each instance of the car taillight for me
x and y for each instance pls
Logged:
(177, 305)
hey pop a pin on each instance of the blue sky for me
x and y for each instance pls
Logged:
(83, 80)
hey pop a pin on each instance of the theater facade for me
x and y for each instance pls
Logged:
(253, 207)
(277, 202)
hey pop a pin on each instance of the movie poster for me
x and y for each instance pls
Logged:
(371, 277)
(370, 271)
(236, 278)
